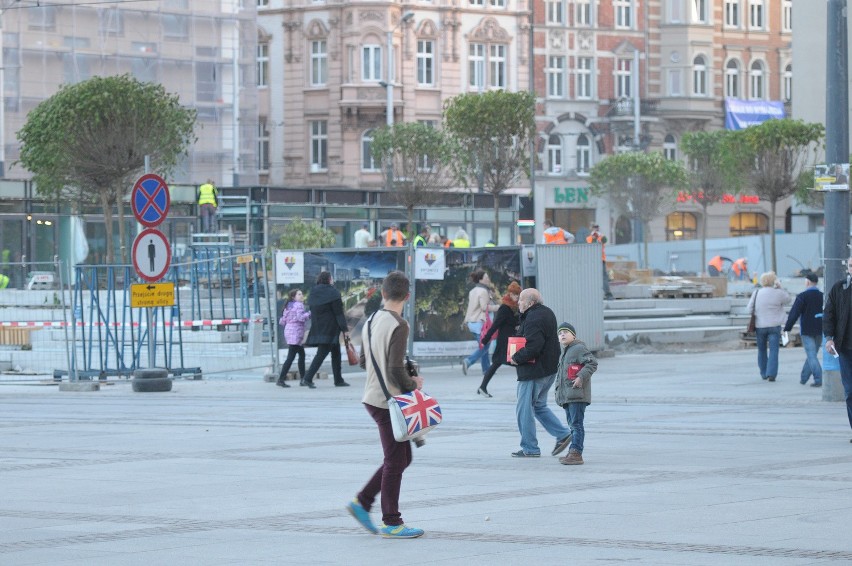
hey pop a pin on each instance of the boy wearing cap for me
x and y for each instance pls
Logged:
(574, 387)
(808, 306)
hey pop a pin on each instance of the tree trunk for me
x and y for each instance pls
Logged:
(495, 231)
(110, 248)
(645, 226)
(772, 236)
(122, 232)
(411, 232)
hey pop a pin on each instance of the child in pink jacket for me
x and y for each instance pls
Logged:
(293, 319)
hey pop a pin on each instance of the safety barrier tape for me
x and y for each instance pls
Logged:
(61, 323)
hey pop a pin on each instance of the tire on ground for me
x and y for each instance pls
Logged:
(150, 385)
(148, 373)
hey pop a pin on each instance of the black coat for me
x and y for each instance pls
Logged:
(808, 305)
(538, 326)
(835, 316)
(505, 324)
(327, 318)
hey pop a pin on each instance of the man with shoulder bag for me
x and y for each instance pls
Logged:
(384, 342)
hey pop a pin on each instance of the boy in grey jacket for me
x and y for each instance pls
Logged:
(574, 387)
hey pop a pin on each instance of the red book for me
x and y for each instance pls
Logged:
(573, 370)
(515, 344)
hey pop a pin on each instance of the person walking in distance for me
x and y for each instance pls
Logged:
(327, 322)
(574, 388)
(384, 340)
(393, 237)
(536, 365)
(505, 324)
(767, 302)
(478, 308)
(293, 319)
(208, 202)
(555, 235)
(363, 236)
(837, 328)
(808, 308)
(597, 237)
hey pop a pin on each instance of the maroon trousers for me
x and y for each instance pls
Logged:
(388, 478)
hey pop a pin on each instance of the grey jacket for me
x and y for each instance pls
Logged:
(576, 353)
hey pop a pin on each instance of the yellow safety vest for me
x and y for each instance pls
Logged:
(207, 194)
(4, 281)
(461, 243)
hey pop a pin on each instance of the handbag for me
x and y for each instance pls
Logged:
(351, 354)
(486, 326)
(412, 413)
(752, 322)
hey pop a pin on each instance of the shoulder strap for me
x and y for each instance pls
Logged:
(373, 358)
(754, 304)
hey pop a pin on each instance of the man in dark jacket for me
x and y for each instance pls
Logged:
(808, 306)
(327, 322)
(837, 327)
(536, 365)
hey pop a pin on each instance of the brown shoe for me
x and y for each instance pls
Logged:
(573, 458)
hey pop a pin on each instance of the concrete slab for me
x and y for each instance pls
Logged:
(691, 459)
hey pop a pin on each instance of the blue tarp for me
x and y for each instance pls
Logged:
(740, 114)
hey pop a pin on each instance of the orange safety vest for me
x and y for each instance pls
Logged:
(391, 235)
(592, 239)
(557, 238)
(716, 262)
(740, 266)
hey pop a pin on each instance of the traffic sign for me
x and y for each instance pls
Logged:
(152, 295)
(150, 200)
(152, 255)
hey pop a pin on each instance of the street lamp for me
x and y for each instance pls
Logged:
(391, 70)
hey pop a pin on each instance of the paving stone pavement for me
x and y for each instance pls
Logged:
(690, 459)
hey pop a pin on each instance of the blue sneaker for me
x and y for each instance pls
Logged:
(400, 531)
(361, 515)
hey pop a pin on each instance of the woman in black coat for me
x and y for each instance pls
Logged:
(505, 324)
(327, 322)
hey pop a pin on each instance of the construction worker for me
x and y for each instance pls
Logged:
(740, 268)
(490, 244)
(446, 242)
(462, 240)
(393, 237)
(208, 201)
(596, 237)
(555, 235)
(715, 265)
(4, 281)
(423, 237)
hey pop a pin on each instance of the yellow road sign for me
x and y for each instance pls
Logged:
(248, 258)
(152, 295)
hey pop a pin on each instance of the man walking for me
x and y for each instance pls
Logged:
(808, 306)
(837, 327)
(536, 366)
(597, 237)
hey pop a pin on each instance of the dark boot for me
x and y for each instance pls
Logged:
(573, 458)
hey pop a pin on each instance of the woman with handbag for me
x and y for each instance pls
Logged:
(767, 303)
(505, 324)
(293, 318)
(478, 314)
(327, 322)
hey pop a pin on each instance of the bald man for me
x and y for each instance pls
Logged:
(536, 366)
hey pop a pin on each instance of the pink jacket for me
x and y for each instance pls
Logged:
(293, 320)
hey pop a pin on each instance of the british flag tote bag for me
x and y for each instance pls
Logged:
(413, 414)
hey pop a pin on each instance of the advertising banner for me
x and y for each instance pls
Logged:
(429, 263)
(740, 114)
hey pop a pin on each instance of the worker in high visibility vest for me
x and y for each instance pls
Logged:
(462, 240)
(393, 236)
(740, 269)
(595, 237)
(423, 237)
(4, 281)
(715, 266)
(208, 202)
(555, 235)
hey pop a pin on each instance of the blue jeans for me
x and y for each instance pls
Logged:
(532, 406)
(811, 366)
(480, 354)
(771, 337)
(846, 379)
(575, 412)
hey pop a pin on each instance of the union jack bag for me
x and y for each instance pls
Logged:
(413, 414)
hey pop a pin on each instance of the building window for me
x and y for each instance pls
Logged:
(788, 83)
(41, 17)
(732, 13)
(675, 86)
(681, 226)
(554, 155)
(143, 69)
(175, 26)
(262, 146)
(670, 148)
(623, 78)
(111, 21)
(262, 3)
(319, 145)
(476, 66)
(623, 13)
(732, 79)
(699, 77)
(556, 77)
(749, 224)
(699, 11)
(675, 11)
(371, 63)
(425, 62)
(206, 85)
(319, 63)
(262, 64)
(583, 12)
(368, 161)
(424, 162)
(787, 15)
(584, 77)
(755, 14)
(498, 3)
(555, 11)
(497, 66)
(757, 79)
(584, 154)
(476, 2)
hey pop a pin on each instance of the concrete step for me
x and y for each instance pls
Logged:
(671, 323)
(675, 335)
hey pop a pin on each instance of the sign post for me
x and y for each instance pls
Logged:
(152, 253)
